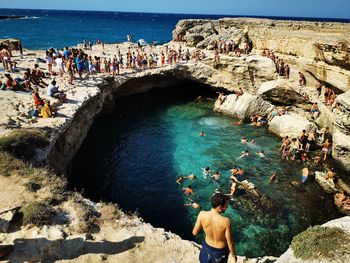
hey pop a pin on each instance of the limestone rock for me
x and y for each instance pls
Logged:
(193, 39)
(341, 148)
(290, 125)
(10, 43)
(5, 220)
(280, 92)
(244, 107)
(327, 185)
(260, 69)
(306, 45)
(342, 119)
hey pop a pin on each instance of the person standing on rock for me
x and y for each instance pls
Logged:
(302, 79)
(218, 243)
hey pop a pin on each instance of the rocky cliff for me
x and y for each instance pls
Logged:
(319, 48)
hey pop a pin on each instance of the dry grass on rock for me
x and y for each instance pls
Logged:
(321, 242)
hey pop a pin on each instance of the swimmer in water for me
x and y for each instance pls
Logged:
(191, 177)
(216, 176)
(188, 190)
(202, 133)
(244, 140)
(243, 154)
(273, 178)
(193, 204)
(180, 180)
(261, 154)
(238, 123)
(206, 172)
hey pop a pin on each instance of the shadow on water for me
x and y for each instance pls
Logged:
(127, 159)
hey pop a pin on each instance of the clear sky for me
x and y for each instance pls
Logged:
(296, 8)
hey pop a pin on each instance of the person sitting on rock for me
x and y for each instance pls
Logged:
(239, 93)
(342, 201)
(221, 97)
(38, 101)
(10, 83)
(37, 76)
(52, 91)
(330, 175)
(302, 79)
(272, 114)
(47, 111)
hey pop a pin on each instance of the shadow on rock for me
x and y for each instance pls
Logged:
(44, 250)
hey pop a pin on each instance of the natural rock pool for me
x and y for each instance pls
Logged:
(134, 155)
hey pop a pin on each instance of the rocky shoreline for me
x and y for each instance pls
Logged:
(255, 73)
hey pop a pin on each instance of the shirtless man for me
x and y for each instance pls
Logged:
(216, 176)
(5, 56)
(218, 243)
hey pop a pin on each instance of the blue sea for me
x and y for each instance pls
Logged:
(42, 29)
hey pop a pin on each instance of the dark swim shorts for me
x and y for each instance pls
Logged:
(210, 254)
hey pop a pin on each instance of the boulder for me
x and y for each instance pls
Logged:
(342, 119)
(5, 220)
(341, 148)
(260, 69)
(327, 185)
(244, 107)
(193, 39)
(290, 125)
(280, 92)
(10, 43)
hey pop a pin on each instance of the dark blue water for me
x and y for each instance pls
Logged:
(42, 29)
(133, 158)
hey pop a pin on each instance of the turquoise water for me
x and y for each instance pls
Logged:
(134, 155)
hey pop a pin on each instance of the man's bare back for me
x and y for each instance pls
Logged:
(217, 228)
(214, 236)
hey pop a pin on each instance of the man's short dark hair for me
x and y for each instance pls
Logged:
(219, 199)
